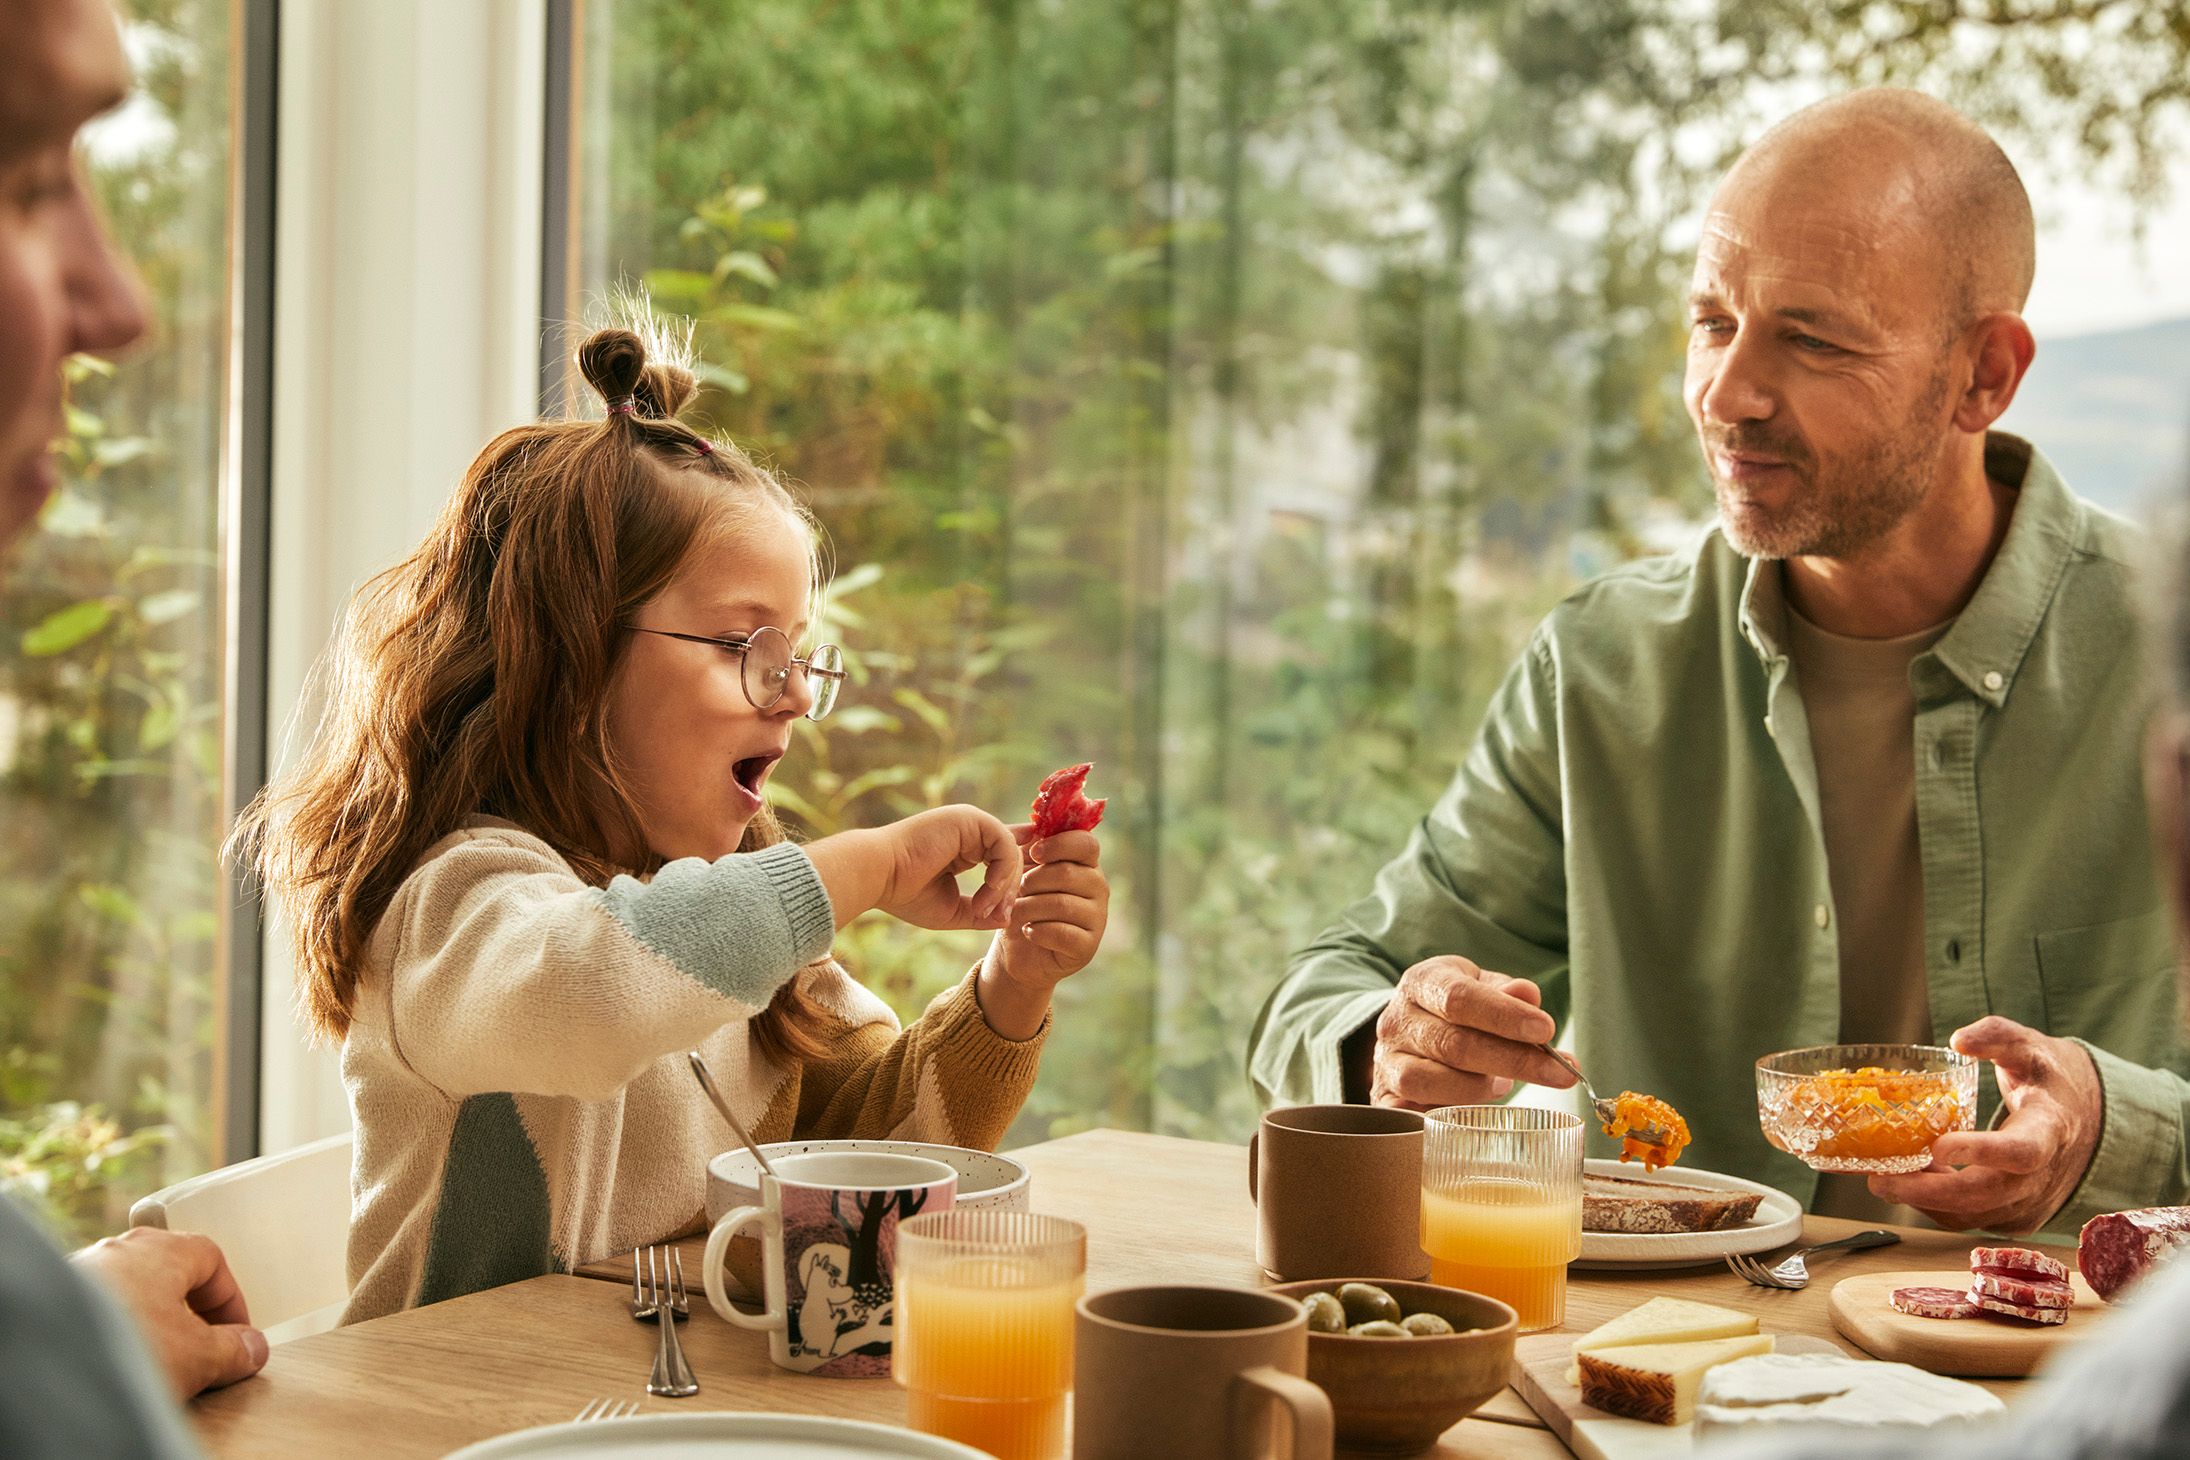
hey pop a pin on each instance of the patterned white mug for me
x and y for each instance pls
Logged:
(829, 1242)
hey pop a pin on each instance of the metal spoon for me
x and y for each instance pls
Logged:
(1607, 1113)
(707, 1084)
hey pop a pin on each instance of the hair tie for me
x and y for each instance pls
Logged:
(623, 405)
(706, 447)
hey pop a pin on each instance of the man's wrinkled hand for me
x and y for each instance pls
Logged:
(2013, 1178)
(1457, 1034)
(178, 1287)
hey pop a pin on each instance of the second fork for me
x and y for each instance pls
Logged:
(1792, 1272)
(672, 1376)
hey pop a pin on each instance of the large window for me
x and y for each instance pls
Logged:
(1219, 392)
(111, 722)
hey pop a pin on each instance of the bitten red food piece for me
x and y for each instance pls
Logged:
(1934, 1303)
(2020, 1260)
(1060, 806)
(2023, 1291)
(2115, 1250)
(2044, 1317)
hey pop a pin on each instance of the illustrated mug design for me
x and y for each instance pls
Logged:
(829, 1243)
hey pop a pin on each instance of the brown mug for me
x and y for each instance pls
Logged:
(1338, 1193)
(1194, 1373)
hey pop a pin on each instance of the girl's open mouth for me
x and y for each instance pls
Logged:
(752, 772)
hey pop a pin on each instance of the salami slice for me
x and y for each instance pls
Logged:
(2019, 1260)
(2115, 1250)
(1934, 1303)
(2029, 1314)
(2025, 1292)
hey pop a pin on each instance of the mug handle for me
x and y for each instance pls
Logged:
(718, 1246)
(1254, 1146)
(1310, 1407)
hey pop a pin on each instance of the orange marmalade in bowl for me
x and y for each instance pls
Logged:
(1637, 1116)
(1865, 1107)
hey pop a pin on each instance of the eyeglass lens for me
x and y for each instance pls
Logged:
(767, 671)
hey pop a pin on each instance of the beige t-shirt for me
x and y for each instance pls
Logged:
(1862, 717)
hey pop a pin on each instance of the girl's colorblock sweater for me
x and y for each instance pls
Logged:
(516, 1061)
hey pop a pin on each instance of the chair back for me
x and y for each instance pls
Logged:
(284, 1223)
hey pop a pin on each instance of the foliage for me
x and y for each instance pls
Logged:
(1219, 392)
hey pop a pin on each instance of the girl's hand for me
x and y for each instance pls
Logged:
(910, 869)
(1055, 927)
(929, 850)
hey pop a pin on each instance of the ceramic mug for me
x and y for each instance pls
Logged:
(1194, 1373)
(828, 1242)
(985, 1179)
(1338, 1193)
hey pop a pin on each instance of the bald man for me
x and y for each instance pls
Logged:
(77, 1377)
(1859, 766)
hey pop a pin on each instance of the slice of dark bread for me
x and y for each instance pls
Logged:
(1621, 1204)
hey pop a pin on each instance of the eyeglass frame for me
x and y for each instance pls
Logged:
(742, 646)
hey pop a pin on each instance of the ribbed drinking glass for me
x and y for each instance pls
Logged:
(984, 1327)
(1502, 1204)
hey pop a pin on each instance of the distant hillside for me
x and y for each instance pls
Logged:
(2112, 410)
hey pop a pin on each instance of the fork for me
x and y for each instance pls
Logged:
(1607, 1113)
(1792, 1273)
(606, 1409)
(664, 1288)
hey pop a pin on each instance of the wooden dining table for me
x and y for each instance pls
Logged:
(1157, 1209)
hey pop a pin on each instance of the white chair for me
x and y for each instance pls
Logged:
(283, 1221)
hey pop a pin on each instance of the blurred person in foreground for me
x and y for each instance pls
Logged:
(75, 1379)
(1861, 765)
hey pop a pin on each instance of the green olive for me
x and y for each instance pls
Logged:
(1366, 1303)
(1381, 1328)
(1325, 1313)
(1425, 1325)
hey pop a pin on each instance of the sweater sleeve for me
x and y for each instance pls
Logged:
(947, 1078)
(509, 973)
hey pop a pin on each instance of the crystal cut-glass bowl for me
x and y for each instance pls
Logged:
(1872, 1108)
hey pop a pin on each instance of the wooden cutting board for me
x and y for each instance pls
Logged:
(1540, 1362)
(1974, 1348)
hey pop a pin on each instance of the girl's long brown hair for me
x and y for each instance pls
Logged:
(472, 678)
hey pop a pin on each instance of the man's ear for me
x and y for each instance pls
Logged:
(2003, 347)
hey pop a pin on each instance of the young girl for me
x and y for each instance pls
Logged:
(528, 865)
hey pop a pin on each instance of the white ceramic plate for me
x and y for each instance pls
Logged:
(717, 1437)
(1778, 1221)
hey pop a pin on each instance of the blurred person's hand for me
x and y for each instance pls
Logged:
(178, 1287)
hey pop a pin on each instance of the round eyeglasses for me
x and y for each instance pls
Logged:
(765, 673)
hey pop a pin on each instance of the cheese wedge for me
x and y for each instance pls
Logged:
(1657, 1382)
(1662, 1320)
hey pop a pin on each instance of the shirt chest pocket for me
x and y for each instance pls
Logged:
(2113, 983)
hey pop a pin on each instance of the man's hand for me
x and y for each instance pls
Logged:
(2014, 1178)
(1456, 1034)
(186, 1303)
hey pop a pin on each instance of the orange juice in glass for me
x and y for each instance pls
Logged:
(984, 1327)
(1502, 1204)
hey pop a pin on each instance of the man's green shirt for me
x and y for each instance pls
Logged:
(1636, 829)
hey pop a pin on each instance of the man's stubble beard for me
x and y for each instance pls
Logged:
(1862, 501)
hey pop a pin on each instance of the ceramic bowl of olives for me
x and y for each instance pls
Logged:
(1402, 1362)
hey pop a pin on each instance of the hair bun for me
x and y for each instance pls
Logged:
(663, 389)
(613, 362)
